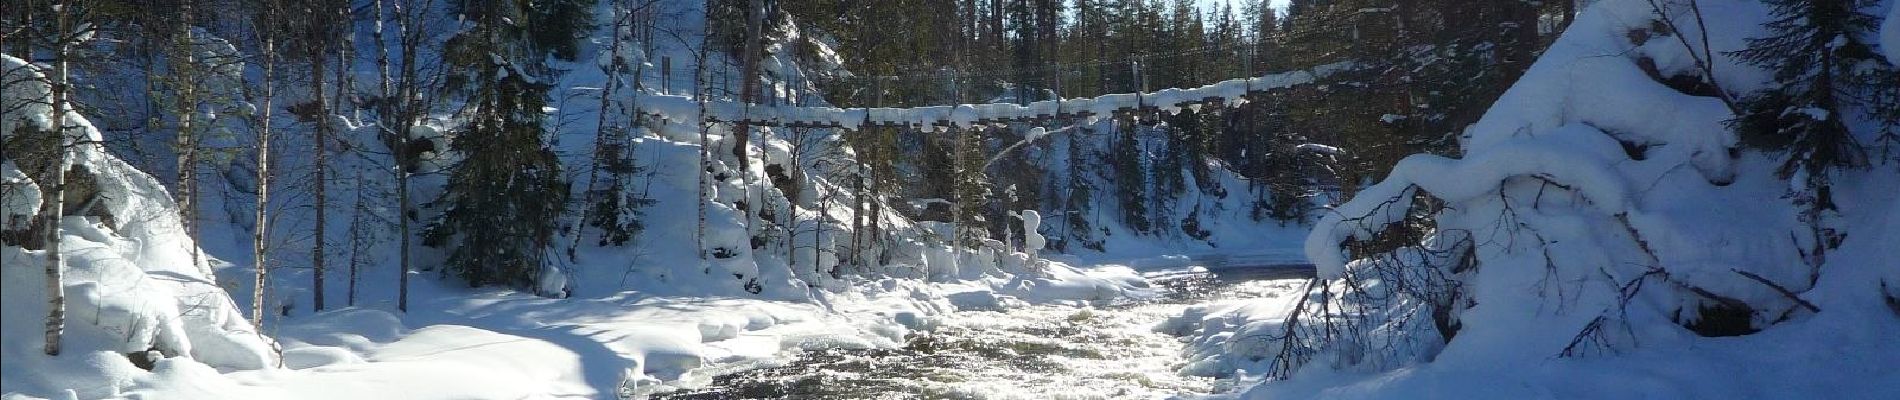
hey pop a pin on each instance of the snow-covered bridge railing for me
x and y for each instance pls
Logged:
(1231, 92)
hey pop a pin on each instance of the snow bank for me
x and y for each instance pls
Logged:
(1890, 34)
(1233, 337)
(1597, 229)
(133, 283)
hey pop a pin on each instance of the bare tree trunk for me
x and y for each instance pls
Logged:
(875, 240)
(602, 137)
(53, 211)
(385, 112)
(320, 145)
(956, 196)
(261, 234)
(749, 92)
(383, 105)
(857, 215)
(791, 200)
(701, 85)
(186, 79)
(345, 58)
(356, 239)
(411, 106)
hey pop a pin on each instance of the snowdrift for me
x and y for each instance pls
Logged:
(1604, 224)
(135, 284)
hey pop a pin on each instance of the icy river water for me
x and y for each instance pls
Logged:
(1032, 352)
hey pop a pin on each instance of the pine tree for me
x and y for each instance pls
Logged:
(505, 197)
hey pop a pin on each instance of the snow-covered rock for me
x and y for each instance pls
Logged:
(133, 280)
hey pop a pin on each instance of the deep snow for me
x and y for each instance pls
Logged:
(1585, 176)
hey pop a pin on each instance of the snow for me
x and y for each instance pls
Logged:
(646, 328)
(1032, 234)
(1320, 148)
(1600, 209)
(21, 198)
(1890, 34)
(494, 344)
(1229, 337)
(1230, 93)
(622, 321)
(132, 284)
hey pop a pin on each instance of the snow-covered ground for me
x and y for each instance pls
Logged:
(641, 318)
(1638, 168)
(460, 343)
(499, 344)
(1586, 180)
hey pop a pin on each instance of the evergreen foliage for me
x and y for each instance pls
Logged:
(1824, 69)
(1827, 76)
(505, 197)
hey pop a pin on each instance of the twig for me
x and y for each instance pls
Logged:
(1704, 62)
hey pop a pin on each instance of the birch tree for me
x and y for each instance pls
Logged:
(260, 235)
(52, 210)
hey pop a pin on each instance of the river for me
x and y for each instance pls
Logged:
(1032, 352)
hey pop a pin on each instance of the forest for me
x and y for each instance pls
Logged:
(710, 199)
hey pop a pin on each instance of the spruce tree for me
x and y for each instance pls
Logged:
(1815, 55)
(1131, 178)
(1824, 73)
(505, 197)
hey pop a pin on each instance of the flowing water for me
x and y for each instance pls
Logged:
(1033, 352)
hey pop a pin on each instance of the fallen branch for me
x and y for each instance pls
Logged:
(1784, 290)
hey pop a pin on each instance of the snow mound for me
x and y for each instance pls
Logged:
(1890, 34)
(1605, 219)
(134, 285)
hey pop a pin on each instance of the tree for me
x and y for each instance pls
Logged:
(749, 93)
(611, 204)
(52, 211)
(1131, 177)
(260, 235)
(505, 197)
(399, 117)
(1824, 72)
(185, 76)
(318, 28)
